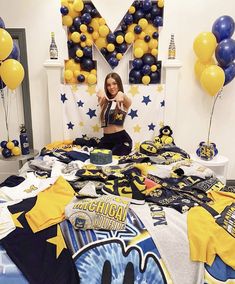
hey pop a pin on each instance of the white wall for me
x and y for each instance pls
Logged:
(184, 18)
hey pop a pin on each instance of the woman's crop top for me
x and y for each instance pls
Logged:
(113, 115)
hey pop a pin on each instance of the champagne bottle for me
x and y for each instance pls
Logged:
(24, 142)
(171, 49)
(53, 47)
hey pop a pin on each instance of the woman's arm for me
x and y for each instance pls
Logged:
(123, 99)
(101, 97)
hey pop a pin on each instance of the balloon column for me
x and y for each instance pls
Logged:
(139, 27)
(11, 76)
(213, 76)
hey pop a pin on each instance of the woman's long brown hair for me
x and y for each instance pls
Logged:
(118, 80)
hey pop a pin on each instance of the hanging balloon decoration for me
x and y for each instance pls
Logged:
(139, 27)
(211, 75)
(11, 76)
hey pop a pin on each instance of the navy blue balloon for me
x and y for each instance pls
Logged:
(77, 22)
(81, 78)
(15, 142)
(113, 62)
(64, 10)
(123, 27)
(90, 30)
(128, 19)
(121, 47)
(154, 77)
(137, 63)
(111, 38)
(72, 29)
(87, 8)
(4, 144)
(225, 52)
(86, 18)
(2, 85)
(6, 153)
(149, 59)
(87, 64)
(137, 29)
(147, 5)
(15, 53)
(229, 72)
(155, 35)
(156, 11)
(135, 76)
(223, 28)
(77, 59)
(87, 51)
(146, 70)
(158, 21)
(2, 24)
(139, 14)
(95, 13)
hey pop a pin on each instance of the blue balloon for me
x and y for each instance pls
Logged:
(229, 72)
(128, 19)
(2, 24)
(158, 21)
(87, 64)
(147, 5)
(135, 76)
(146, 70)
(86, 18)
(6, 153)
(137, 63)
(4, 144)
(64, 10)
(15, 54)
(225, 52)
(223, 28)
(113, 62)
(2, 85)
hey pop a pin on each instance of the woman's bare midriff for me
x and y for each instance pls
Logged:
(112, 129)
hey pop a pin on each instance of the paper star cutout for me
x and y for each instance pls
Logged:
(134, 90)
(74, 88)
(91, 113)
(91, 89)
(137, 128)
(161, 123)
(80, 103)
(137, 146)
(162, 103)
(70, 125)
(151, 126)
(81, 123)
(160, 88)
(58, 241)
(96, 128)
(146, 100)
(133, 113)
(15, 219)
(63, 98)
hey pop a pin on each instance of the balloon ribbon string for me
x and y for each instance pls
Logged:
(211, 116)
(5, 112)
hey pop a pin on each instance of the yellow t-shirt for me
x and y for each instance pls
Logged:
(50, 205)
(206, 238)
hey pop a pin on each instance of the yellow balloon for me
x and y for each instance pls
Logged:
(78, 5)
(12, 73)
(212, 79)
(150, 29)
(153, 43)
(119, 39)
(68, 74)
(143, 23)
(67, 20)
(101, 42)
(6, 44)
(91, 79)
(16, 151)
(204, 46)
(103, 30)
(146, 80)
(131, 28)
(138, 52)
(129, 37)
(72, 12)
(140, 43)
(10, 145)
(75, 37)
(95, 24)
(199, 67)
(160, 3)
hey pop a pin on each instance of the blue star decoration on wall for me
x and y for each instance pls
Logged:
(146, 100)
(151, 126)
(63, 98)
(133, 113)
(162, 103)
(91, 113)
(80, 103)
(70, 125)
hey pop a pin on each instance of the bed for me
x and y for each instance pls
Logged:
(153, 247)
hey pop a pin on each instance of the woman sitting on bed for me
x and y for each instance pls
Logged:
(114, 105)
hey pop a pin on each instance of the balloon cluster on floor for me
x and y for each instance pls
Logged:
(139, 27)
(10, 148)
(213, 76)
(11, 70)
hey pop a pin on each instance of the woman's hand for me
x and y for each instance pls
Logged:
(119, 98)
(100, 95)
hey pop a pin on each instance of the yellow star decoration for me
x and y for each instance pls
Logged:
(137, 146)
(15, 219)
(74, 88)
(161, 124)
(137, 128)
(58, 241)
(134, 90)
(96, 128)
(81, 123)
(91, 89)
(160, 88)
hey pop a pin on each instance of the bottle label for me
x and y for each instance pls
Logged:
(53, 53)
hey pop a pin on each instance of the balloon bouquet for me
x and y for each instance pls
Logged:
(11, 76)
(211, 75)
